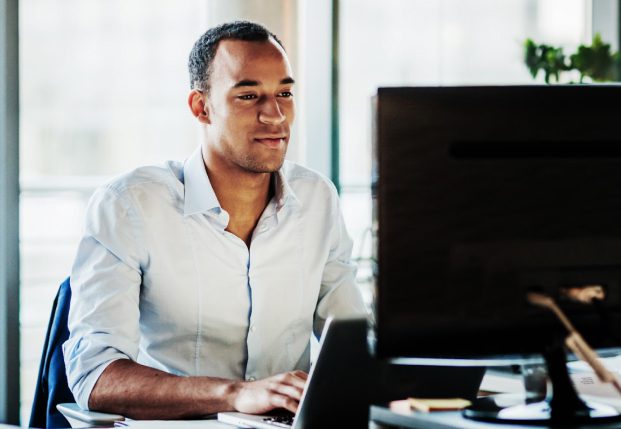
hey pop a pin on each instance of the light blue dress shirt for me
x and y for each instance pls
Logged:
(157, 278)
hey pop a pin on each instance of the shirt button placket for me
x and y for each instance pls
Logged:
(251, 343)
(251, 363)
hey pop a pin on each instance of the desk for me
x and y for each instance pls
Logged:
(454, 420)
(192, 424)
(437, 420)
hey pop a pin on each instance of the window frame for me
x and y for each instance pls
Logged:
(9, 213)
(605, 17)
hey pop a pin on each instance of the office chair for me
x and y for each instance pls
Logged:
(52, 392)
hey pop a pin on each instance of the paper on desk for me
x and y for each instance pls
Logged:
(173, 424)
(590, 387)
(611, 363)
(502, 382)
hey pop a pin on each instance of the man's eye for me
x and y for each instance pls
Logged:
(247, 96)
(286, 94)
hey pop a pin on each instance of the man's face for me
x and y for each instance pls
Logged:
(250, 106)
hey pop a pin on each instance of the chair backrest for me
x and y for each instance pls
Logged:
(52, 387)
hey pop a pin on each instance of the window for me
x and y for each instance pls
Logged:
(103, 90)
(443, 42)
(104, 85)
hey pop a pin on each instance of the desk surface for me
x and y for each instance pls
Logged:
(454, 420)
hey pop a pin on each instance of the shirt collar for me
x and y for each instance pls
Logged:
(284, 192)
(199, 194)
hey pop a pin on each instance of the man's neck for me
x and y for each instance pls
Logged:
(244, 195)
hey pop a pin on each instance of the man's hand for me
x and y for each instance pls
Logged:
(142, 393)
(279, 391)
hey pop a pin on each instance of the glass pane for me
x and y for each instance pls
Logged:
(442, 42)
(98, 75)
(104, 86)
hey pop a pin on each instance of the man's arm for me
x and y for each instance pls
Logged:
(101, 353)
(339, 294)
(139, 392)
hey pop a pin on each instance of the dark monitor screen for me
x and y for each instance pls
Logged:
(482, 194)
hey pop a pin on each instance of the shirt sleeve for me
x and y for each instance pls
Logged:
(105, 287)
(339, 295)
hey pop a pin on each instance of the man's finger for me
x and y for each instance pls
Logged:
(282, 401)
(293, 380)
(301, 374)
(290, 391)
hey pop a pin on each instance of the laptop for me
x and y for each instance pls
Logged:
(337, 381)
(344, 381)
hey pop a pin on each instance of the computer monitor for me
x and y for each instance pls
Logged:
(483, 194)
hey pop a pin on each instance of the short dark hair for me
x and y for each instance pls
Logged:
(204, 50)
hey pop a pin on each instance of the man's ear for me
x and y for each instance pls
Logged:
(198, 105)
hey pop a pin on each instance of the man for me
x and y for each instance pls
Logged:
(196, 286)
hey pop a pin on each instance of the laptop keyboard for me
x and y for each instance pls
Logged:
(280, 421)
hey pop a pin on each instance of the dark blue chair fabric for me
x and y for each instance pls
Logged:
(52, 385)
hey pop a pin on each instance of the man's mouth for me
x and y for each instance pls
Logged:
(272, 142)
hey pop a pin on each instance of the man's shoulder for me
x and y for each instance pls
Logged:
(148, 178)
(300, 176)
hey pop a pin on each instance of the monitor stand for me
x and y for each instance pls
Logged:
(563, 407)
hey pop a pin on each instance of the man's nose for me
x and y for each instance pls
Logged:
(271, 113)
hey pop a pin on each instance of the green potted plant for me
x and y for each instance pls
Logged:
(596, 61)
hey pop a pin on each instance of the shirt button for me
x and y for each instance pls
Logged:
(252, 328)
(250, 379)
(263, 228)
